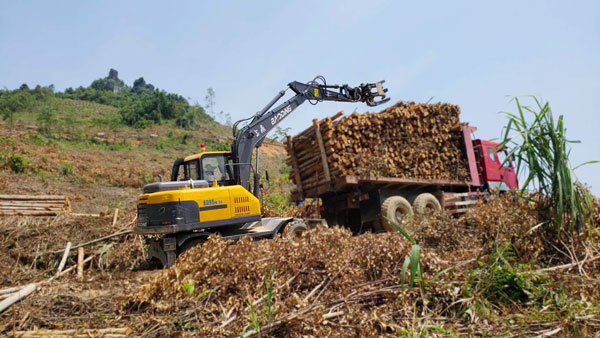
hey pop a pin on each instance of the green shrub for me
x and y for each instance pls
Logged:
(18, 163)
(66, 168)
(184, 138)
(7, 149)
(277, 202)
(499, 279)
(161, 144)
(146, 179)
(41, 140)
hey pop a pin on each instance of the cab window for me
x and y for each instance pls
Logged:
(502, 158)
(492, 154)
(218, 167)
(188, 171)
(181, 172)
(193, 168)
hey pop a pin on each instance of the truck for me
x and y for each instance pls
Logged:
(211, 192)
(369, 203)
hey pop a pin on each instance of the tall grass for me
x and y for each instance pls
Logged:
(541, 149)
(413, 261)
(257, 320)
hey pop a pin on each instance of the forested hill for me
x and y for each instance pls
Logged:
(139, 106)
(108, 134)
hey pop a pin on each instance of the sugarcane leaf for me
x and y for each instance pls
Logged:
(404, 268)
(414, 263)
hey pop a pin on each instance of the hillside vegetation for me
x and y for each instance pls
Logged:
(106, 135)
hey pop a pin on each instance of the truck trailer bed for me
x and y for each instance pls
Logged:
(347, 183)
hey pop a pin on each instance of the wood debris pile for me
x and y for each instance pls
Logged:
(328, 282)
(407, 140)
(312, 276)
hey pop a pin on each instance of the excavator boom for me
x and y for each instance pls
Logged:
(252, 135)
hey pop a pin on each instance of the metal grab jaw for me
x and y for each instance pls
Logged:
(368, 95)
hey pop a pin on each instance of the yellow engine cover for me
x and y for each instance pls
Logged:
(214, 203)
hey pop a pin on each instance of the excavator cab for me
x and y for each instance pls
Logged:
(216, 168)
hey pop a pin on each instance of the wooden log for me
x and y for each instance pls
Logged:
(290, 145)
(112, 331)
(80, 254)
(10, 290)
(63, 261)
(84, 215)
(118, 233)
(23, 202)
(17, 296)
(568, 266)
(114, 222)
(27, 213)
(6, 295)
(65, 271)
(322, 151)
(30, 208)
(32, 197)
(24, 291)
(309, 162)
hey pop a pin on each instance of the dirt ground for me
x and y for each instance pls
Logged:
(326, 283)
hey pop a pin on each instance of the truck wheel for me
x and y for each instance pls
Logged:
(397, 209)
(295, 229)
(426, 203)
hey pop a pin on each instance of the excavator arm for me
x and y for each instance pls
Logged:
(254, 133)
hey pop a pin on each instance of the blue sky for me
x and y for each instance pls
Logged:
(472, 53)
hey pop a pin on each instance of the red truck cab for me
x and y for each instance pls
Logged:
(493, 170)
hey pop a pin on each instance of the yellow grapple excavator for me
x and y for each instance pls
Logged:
(210, 192)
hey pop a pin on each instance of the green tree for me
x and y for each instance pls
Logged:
(210, 101)
(46, 121)
(280, 134)
(228, 121)
(42, 93)
(143, 104)
(12, 102)
(72, 124)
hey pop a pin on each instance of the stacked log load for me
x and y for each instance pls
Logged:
(29, 205)
(407, 140)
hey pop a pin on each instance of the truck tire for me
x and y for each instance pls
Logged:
(426, 203)
(397, 209)
(295, 229)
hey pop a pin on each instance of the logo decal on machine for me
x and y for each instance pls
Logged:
(212, 205)
(282, 113)
(211, 202)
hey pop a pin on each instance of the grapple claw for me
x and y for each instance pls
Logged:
(369, 96)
